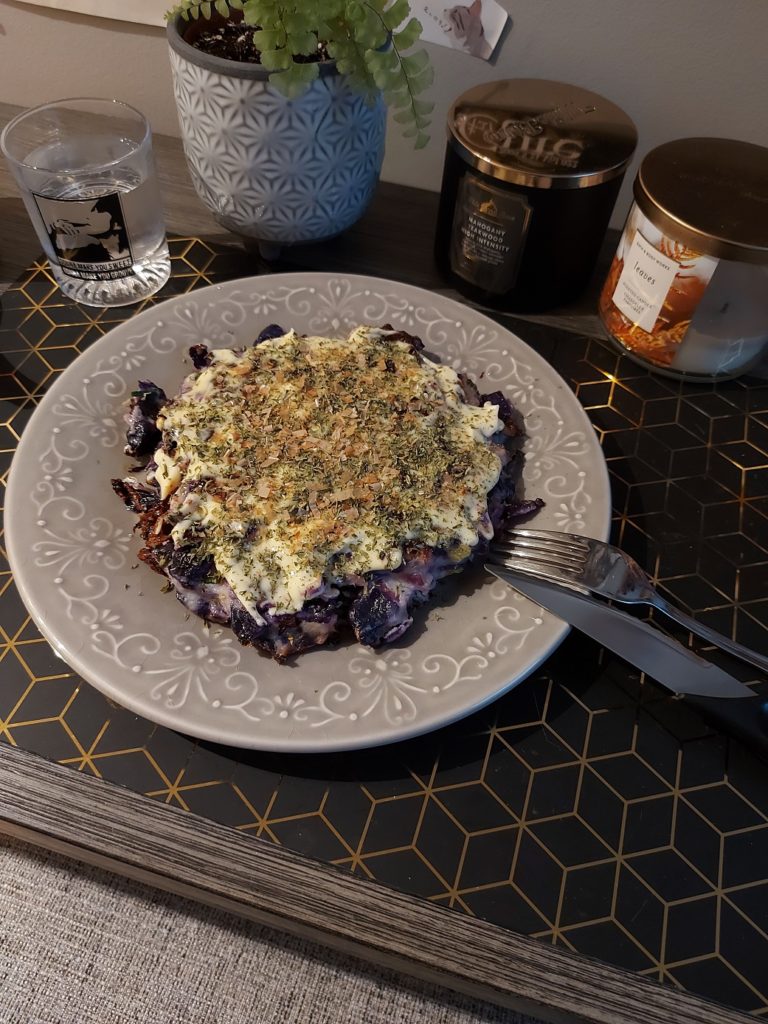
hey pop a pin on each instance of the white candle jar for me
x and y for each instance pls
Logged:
(687, 291)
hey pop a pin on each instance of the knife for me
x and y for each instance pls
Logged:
(727, 704)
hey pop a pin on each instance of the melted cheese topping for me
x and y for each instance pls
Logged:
(302, 462)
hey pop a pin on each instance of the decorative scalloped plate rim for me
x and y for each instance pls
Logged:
(73, 554)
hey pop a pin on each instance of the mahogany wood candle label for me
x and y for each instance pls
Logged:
(489, 230)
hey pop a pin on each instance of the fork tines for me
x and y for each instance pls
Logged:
(544, 537)
(548, 548)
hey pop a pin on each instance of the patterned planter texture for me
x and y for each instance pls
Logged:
(276, 170)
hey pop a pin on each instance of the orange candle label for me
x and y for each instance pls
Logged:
(652, 290)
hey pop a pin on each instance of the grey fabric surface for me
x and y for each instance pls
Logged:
(81, 946)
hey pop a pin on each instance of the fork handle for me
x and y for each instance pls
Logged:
(723, 642)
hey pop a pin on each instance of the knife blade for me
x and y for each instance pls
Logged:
(652, 651)
(704, 685)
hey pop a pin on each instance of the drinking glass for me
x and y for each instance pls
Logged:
(87, 177)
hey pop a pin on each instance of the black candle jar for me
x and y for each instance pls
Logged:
(532, 171)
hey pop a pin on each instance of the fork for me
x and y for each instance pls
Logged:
(583, 562)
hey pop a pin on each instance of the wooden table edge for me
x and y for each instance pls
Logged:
(102, 824)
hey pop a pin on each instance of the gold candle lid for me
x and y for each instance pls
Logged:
(710, 194)
(541, 134)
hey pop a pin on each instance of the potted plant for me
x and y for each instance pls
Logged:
(282, 107)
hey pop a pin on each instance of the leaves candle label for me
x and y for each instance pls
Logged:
(653, 289)
(644, 281)
(474, 27)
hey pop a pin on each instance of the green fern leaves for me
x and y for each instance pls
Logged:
(368, 39)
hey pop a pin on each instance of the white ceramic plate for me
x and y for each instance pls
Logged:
(73, 553)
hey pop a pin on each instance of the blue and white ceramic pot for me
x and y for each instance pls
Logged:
(271, 169)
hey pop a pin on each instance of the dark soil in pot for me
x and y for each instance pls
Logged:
(231, 39)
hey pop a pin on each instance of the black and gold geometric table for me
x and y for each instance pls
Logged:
(586, 808)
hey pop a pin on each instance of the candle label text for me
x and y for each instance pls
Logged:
(488, 236)
(645, 279)
(652, 290)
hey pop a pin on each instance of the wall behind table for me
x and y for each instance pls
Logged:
(695, 67)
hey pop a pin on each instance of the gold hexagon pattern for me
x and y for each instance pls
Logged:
(586, 808)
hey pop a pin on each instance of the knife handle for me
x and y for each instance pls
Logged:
(746, 718)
